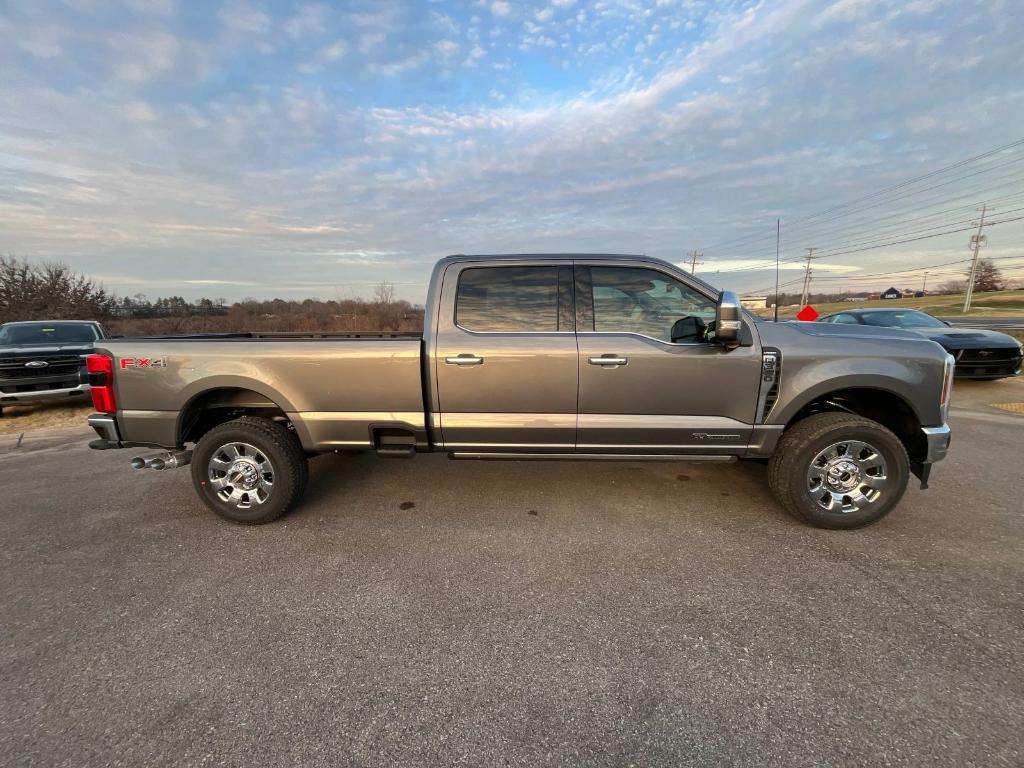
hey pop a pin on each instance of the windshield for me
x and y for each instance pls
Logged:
(46, 334)
(901, 318)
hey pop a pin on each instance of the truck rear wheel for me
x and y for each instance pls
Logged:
(838, 470)
(249, 470)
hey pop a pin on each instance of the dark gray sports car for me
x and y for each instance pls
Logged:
(979, 354)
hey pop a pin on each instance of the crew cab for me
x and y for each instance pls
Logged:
(583, 357)
(44, 361)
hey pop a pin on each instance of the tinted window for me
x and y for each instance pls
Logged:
(509, 299)
(901, 319)
(42, 334)
(645, 301)
(845, 319)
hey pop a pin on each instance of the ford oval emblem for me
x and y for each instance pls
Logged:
(36, 364)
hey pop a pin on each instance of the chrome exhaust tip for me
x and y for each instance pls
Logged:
(161, 461)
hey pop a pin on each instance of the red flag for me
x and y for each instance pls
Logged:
(808, 314)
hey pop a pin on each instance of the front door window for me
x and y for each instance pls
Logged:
(649, 303)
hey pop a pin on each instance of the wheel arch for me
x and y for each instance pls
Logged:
(884, 406)
(211, 407)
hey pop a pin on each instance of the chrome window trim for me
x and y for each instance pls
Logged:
(514, 333)
(643, 336)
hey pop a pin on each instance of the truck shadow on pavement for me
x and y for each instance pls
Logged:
(431, 485)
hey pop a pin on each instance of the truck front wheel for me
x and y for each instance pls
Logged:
(250, 470)
(838, 470)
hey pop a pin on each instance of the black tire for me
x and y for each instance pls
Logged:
(275, 444)
(801, 444)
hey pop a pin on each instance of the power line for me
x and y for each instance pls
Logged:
(931, 268)
(894, 188)
(1005, 199)
(915, 239)
(880, 241)
(855, 226)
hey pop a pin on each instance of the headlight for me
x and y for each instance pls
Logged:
(947, 387)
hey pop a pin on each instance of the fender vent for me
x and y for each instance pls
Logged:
(771, 375)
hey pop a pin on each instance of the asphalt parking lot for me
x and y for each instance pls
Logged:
(430, 612)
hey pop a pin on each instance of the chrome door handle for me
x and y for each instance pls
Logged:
(464, 360)
(608, 360)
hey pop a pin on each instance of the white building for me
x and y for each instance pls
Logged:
(754, 302)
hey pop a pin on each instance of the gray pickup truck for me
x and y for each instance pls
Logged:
(583, 357)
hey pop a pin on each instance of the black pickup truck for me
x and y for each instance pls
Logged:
(44, 361)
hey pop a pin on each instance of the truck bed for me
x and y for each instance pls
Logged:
(337, 389)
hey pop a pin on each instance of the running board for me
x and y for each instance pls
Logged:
(396, 451)
(590, 456)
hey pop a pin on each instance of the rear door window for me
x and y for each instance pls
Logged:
(509, 300)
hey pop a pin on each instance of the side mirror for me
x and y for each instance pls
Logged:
(728, 319)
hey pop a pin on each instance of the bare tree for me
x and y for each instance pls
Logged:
(384, 293)
(987, 276)
(953, 287)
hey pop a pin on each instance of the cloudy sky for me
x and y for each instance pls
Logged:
(248, 148)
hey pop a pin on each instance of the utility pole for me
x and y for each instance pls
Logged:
(977, 241)
(694, 255)
(807, 278)
(925, 283)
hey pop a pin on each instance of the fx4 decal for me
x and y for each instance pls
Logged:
(143, 362)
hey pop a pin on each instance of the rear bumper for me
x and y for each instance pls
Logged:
(106, 427)
(44, 395)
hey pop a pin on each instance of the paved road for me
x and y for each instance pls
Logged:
(432, 613)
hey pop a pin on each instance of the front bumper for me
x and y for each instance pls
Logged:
(936, 446)
(987, 363)
(44, 395)
(937, 442)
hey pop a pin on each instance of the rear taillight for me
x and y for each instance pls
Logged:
(101, 382)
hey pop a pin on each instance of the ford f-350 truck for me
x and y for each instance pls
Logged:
(583, 357)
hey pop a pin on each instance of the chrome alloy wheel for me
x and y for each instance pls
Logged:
(241, 474)
(847, 476)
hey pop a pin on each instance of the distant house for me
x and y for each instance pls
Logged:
(754, 302)
(892, 293)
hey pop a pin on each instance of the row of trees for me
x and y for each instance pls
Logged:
(172, 306)
(53, 292)
(50, 291)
